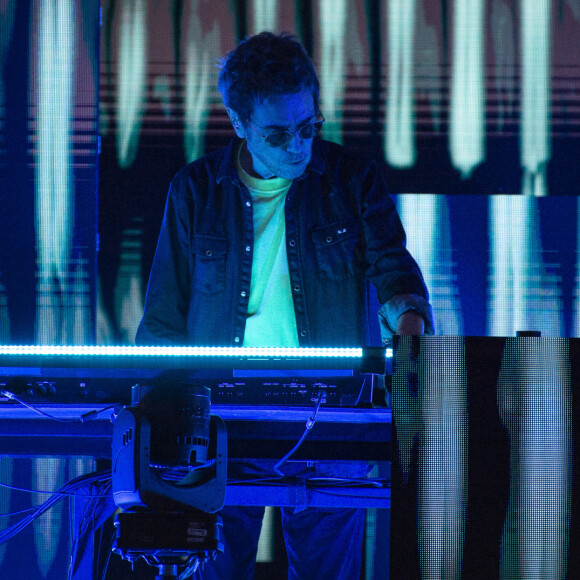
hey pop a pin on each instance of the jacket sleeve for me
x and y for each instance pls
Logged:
(397, 305)
(392, 269)
(164, 319)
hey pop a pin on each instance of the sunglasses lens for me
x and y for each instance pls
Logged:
(310, 131)
(284, 137)
(278, 139)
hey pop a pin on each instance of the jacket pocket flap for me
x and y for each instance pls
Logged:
(334, 233)
(210, 246)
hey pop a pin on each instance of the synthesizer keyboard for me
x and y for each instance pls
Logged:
(295, 377)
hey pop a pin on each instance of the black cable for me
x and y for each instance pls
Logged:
(87, 521)
(55, 498)
(110, 553)
(24, 511)
(29, 490)
(309, 425)
(12, 396)
(313, 482)
(345, 482)
(88, 416)
(262, 480)
(98, 558)
(337, 494)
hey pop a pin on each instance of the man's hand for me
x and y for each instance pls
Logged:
(410, 323)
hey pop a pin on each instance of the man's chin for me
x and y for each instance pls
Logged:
(293, 170)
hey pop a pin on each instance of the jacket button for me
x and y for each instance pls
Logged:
(303, 333)
(248, 248)
(296, 288)
(243, 292)
(248, 204)
(237, 339)
(292, 243)
(329, 239)
(208, 253)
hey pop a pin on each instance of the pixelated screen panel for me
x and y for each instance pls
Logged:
(392, 76)
(498, 264)
(443, 97)
(485, 458)
(48, 208)
(462, 97)
(48, 170)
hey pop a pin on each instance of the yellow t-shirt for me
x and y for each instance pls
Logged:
(271, 320)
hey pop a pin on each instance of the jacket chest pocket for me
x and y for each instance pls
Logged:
(209, 273)
(334, 249)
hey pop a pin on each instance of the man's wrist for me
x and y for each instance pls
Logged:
(410, 322)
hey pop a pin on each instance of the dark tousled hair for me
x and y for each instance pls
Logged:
(264, 65)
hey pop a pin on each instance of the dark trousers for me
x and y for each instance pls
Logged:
(321, 543)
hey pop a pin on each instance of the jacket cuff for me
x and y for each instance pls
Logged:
(390, 311)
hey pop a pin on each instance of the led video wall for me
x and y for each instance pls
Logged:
(454, 98)
(48, 170)
(485, 467)
(471, 108)
(497, 264)
(451, 97)
(49, 68)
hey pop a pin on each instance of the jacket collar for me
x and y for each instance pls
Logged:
(228, 169)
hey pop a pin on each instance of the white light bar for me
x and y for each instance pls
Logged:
(40, 350)
(225, 351)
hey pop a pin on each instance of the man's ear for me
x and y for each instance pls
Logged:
(236, 123)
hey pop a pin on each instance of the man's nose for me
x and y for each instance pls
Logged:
(295, 144)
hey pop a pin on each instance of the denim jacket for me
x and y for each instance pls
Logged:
(342, 230)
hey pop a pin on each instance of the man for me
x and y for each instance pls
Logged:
(270, 242)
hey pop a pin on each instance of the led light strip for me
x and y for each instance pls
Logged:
(45, 350)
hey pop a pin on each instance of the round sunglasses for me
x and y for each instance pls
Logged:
(280, 138)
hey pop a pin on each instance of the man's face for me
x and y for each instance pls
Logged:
(279, 113)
